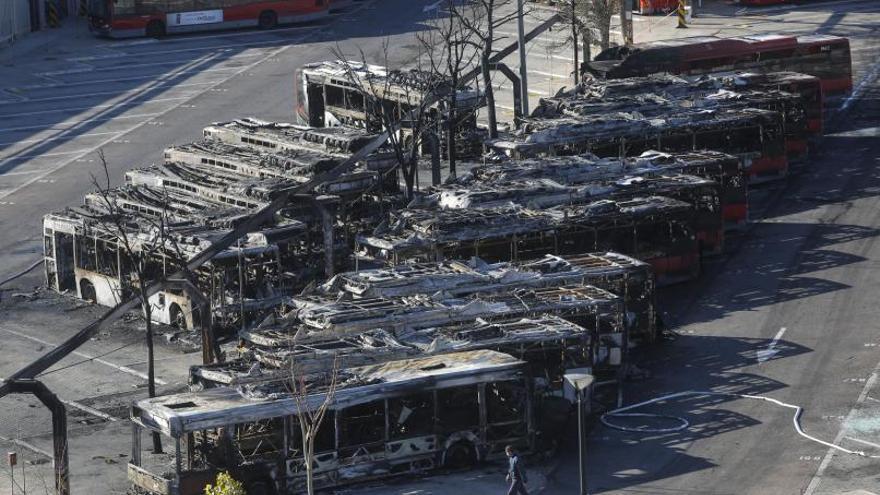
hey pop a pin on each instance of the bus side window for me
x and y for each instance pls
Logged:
(458, 408)
(411, 416)
(361, 425)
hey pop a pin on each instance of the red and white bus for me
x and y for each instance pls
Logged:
(155, 18)
(826, 57)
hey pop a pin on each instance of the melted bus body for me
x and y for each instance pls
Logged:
(824, 56)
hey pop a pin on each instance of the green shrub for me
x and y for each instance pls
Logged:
(226, 485)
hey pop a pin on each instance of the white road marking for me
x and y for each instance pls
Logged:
(84, 70)
(871, 444)
(39, 155)
(109, 105)
(54, 138)
(185, 39)
(433, 6)
(77, 122)
(817, 478)
(28, 446)
(92, 411)
(273, 53)
(88, 95)
(121, 368)
(770, 351)
(548, 74)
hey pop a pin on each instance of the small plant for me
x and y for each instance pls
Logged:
(226, 485)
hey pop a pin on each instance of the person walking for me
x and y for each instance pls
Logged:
(516, 475)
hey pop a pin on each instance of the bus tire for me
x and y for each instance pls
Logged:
(87, 291)
(155, 29)
(268, 19)
(460, 455)
(176, 317)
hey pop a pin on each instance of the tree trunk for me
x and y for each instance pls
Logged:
(451, 129)
(586, 44)
(574, 41)
(151, 369)
(490, 94)
(310, 474)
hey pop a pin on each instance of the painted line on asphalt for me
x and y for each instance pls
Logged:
(85, 121)
(865, 442)
(433, 6)
(272, 54)
(118, 367)
(38, 155)
(826, 460)
(92, 411)
(209, 48)
(151, 64)
(185, 39)
(89, 95)
(108, 105)
(55, 138)
(22, 443)
(765, 354)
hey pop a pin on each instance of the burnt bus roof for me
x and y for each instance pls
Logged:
(418, 228)
(357, 315)
(458, 278)
(178, 414)
(658, 56)
(285, 135)
(585, 168)
(537, 135)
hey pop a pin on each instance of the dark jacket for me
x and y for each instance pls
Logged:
(516, 470)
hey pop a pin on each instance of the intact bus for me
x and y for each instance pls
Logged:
(413, 415)
(156, 18)
(824, 56)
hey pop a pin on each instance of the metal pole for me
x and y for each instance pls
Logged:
(521, 36)
(582, 447)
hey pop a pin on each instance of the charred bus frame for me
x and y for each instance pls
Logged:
(391, 418)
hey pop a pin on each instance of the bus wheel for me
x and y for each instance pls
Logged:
(460, 455)
(176, 317)
(87, 291)
(155, 29)
(268, 20)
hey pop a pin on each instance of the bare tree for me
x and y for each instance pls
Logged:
(482, 24)
(446, 49)
(143, 248)
(309, 415)
(408, 116)
(586, 20)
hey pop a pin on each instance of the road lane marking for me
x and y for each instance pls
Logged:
(273, 53)
(84, 121)
(55, 138)
(185, 39)
(121, 368)
(433, 6)
(871, 444)
(22, 443)
(88, 95)
(92, 411)
(84, 70)
(108, 105)
(817, 478)
(770, 351)
(39, 155)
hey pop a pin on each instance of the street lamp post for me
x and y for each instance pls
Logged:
(579, 382)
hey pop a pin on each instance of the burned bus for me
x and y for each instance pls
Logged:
(725, 170)
(756, 136)
(657, 230)
(335, 93)
(627, 277)
(406, 416)
(790, 105)
(824, 56)
(548, 343)
(703, 194)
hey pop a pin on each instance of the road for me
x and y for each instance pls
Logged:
(791, 314)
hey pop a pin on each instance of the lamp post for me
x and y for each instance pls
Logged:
(579, 383)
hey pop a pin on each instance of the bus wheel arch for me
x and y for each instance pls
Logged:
(176, 317)
(461, 451)
(87, 291)
(268, 19)
(155, 29)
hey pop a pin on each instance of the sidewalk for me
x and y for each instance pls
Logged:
(22, 58)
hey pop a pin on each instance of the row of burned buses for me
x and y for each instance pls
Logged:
(461, 311)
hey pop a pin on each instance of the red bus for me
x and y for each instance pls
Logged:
(826, 57)
(155, 18)
(808, 87)
(646, 7)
